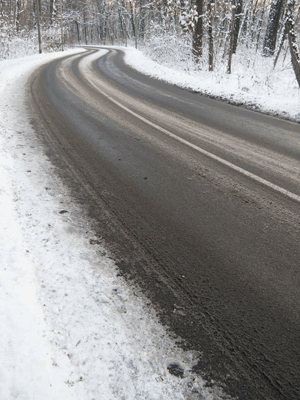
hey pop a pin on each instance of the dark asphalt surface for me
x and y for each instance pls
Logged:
(216, 251)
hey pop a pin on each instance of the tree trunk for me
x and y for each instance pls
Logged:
(210, 38)
(85, 30)
(198, 33)
(61, 27)
(292, 40)
(18, 11)
(38, 24)
(132, 23)
(78, 32)
(142, 22)
(105, 27)
(237, 23)
(259, 24)
(51, 11)
(233, 8)
(272, 28)
(283, 35)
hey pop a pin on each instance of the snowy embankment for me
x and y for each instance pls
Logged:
(70, 327)
(253, 83)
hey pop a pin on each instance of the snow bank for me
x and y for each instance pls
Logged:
(256, 85)
(28, 367)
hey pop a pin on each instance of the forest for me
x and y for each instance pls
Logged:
(202, 34)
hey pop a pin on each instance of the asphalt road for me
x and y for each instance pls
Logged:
(198, 201)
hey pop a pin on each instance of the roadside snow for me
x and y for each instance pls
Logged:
(259, 86)
(70, 327)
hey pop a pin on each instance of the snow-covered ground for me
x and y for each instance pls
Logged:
(70, 328)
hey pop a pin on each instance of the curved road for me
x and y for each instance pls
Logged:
(199, 203)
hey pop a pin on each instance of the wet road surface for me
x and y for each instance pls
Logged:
(199, 203)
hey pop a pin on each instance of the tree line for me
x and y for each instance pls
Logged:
(214, 29)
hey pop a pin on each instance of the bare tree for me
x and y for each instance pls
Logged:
(237, 23)
(233, 8)
(61, 26)
(210, 36)
(292, 40)
(198, 32)
(38, 24)
(272, 27)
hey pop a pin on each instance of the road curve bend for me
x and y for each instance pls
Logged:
(199, 204)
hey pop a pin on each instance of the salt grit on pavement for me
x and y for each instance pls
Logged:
(70, 327)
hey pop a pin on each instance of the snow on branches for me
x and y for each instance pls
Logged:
(188, 19)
